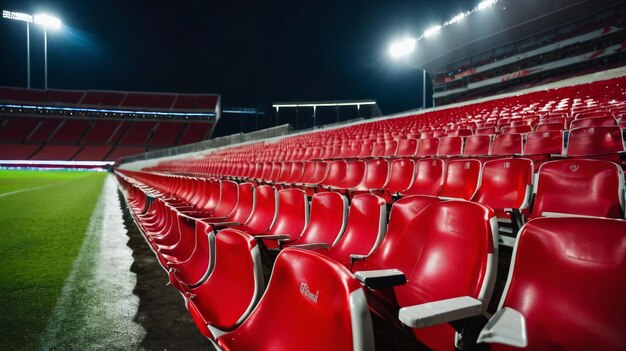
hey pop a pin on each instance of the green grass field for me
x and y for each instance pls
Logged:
(43, 219)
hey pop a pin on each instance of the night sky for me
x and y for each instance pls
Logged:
(253, 53)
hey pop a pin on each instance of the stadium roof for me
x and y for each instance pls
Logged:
(505, 22)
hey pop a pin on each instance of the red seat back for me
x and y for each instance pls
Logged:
(593, 122)
(450, 146)
(336, 173)
(428, 147)
(327, 220)
(401, 175)
(505, 183)
(545, 127)
(376, 174)
(546, 142)
(367, 220)
(292, 216)
(594, 140)
(306, 289)
(406, 147)
(507, 144)
(477, 145)
(576, 265)
(579, 187)
(264, 213)
(228, 199)
(461, 180)
(234, 286)
(355, 174)
(517, 129)
(429, 175)
(245, 204)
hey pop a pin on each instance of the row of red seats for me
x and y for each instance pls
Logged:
(595, 142)
(576, 186)
(425, 292)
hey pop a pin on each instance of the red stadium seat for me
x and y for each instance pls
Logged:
(401, 172)
(450, 146)
(327, 221)
(407, 147)
(593, 122)
(506, 187)
(376, 176)
(291, 218)
(233, 288)
(305, 290)
(546, 127)
(429, 176)
(517, 130)
(455, 268)
(477, 145)
(579, 187)
(594, 141)
(264, 212)
(428, 147)
(507, 144)
(576, 265)
(367, 221)
(544, 143)
(461, 180)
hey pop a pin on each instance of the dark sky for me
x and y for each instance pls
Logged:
(253, 53)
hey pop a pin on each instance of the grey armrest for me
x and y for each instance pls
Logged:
(355, 257)
(313, 246)
(273, 237)
(438, 312)
(381, 278)
(507, 326)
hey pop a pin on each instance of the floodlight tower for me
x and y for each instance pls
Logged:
(28, 19)
(403, 48)
(47, 22)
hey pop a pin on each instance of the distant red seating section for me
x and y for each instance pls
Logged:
(94, 134)
(96, 140)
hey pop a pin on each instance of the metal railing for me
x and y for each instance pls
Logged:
(227, 140)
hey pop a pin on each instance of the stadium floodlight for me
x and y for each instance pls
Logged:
(457, 18)
(402, 47)
(48, 21)
(431, 31)
(23, 17)
(51, 22)
(18, 16)
(485, 4)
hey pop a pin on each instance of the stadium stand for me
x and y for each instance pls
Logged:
(99, 125)
(482, 195)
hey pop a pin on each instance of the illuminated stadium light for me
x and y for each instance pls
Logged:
(432, 31)
(402, 47)
(457, 18)
(48, 21)
(326, 104)
(485, 4)
(18, 16)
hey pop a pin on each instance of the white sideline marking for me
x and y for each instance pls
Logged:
(37, 187)
(96, 307)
